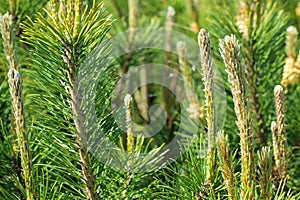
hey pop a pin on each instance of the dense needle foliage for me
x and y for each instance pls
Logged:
(246, 53)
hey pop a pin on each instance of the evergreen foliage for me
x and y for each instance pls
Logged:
(46, 133)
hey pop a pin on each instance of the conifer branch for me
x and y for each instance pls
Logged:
(265, 176)
(70, 37)
(279, 139)
(195, 110)
(20, 135)
(130, 137)
(208, 80)
(278, 96)
(230, 51)
(226, 164)
(247, 21)
(167, 94)
(12, 10)
(130, 141)
(275, 143)
(7, 31)
(73, 20)
(79, 119)
(15, 86)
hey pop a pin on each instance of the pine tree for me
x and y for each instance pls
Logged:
(49, 140)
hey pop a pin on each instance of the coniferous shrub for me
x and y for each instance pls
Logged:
(228, 86)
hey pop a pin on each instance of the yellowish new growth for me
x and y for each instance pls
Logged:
(298, 10)
(54, 9)
(230, 51)
(6, 26)
(291, 40)
(242, 20)
(278, 94)
(195, 109)
(291, 70)
(77, 18)
(226, 163)
(275, 143)
(208, 76)
(170, 14)
(69, 16)
(15, 86)
(265, 173)
(130, 137)
(281, 140)
(194, 18)
(169, 26)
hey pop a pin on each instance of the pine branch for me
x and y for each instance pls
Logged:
(195, 110)
(247, 20)
(6, 26)
(130, 142)
(73, 21)
(279, 140)
(61, 42)
(8, 36)
(82, 139)
(129, 124)
(275, 143)
(230, 51)
(265, 175)
(20, 135)
(167, 94)
(12, 10)
(15, 85)
(226, 164)
(208, 80)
